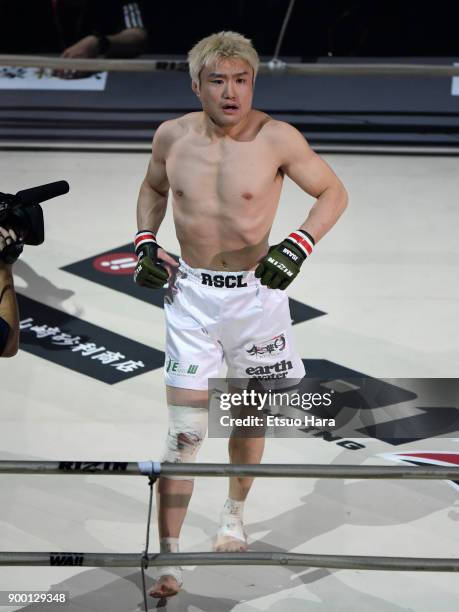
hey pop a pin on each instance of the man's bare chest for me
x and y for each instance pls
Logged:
(246, 169)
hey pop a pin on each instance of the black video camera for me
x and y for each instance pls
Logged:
(23, 214)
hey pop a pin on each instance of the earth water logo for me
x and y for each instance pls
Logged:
(116, 263)
(277, 370)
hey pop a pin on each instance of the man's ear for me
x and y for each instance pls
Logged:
(195, 87)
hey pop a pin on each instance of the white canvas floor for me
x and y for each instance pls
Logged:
(387, 278)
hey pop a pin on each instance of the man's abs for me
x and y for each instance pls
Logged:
(225, 195)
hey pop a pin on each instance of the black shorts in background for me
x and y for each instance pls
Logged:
(47, 26)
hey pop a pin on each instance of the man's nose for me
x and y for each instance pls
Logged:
(229, 90)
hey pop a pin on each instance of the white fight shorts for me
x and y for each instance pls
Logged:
(213, 316)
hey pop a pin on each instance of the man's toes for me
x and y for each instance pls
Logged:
(227, 544)
(165, 586)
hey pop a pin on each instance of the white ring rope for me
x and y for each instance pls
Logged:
(350, 562)
(263, 470)
(275, 66)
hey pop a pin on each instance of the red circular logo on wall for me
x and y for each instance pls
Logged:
(116, 263)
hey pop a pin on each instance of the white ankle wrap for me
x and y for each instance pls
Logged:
(170, 545)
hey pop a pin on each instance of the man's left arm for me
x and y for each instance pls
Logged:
(315, 177)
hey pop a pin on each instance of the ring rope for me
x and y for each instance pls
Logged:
(154, 469)
(275, 66)
(347, 562)
(264, 470)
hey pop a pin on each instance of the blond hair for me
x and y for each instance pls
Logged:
(215, 47)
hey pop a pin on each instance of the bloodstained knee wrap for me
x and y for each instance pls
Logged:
(187, 430)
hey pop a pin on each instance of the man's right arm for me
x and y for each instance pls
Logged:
(152, 201)
(154, 264)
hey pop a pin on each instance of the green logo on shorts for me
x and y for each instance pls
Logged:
(181, 370)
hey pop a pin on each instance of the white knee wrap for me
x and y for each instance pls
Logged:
(187, 430)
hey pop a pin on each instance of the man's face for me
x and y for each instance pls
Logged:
(226, 91)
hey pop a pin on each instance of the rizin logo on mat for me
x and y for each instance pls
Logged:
(116, 263)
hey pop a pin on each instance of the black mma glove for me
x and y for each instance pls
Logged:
(283, 262)
(149, 272)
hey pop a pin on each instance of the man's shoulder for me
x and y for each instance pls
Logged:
(277, 130)
(176, 127)
(171, 130)
(284, 138)
(167, 132)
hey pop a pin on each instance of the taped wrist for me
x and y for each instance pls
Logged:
(145, 245)
(301, 246)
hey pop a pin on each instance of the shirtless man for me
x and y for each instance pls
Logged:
(225, 168)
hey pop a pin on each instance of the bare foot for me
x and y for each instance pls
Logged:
(165, 586)
(226, 543)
